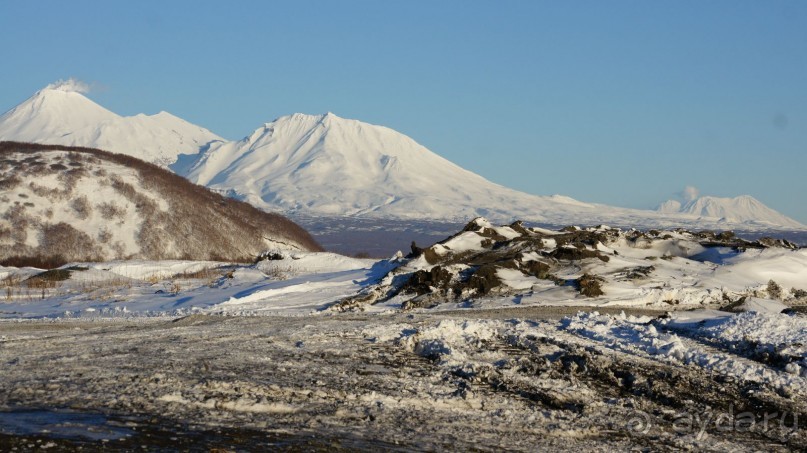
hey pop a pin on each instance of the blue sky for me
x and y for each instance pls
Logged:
(621, 102)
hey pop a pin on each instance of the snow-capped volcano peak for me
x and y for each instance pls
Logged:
(61, 114)
(52, 112)
(322, 145)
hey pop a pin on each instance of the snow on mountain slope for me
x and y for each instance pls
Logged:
(59, 114)
(67, 204)
(670, 207)
(158, 138)
(331, 166)
(740, 209)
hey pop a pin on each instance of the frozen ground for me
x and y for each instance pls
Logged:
(517, 379)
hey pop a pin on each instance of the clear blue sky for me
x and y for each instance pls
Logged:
(619, 102)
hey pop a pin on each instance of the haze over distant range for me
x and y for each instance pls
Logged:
(608, 102)
(324, 165)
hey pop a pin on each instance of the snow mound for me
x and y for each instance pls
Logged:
(296, 263)
(760, 333)
(642, 337)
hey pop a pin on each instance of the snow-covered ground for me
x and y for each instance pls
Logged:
(302, 283)
(483, 380)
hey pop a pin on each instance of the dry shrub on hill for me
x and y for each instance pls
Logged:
(63, 240)
(109, 211)
(81, 206)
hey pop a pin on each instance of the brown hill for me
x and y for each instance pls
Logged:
(61, 204)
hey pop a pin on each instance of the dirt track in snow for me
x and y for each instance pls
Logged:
(355, 381)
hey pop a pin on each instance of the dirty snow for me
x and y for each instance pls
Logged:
(419, 381)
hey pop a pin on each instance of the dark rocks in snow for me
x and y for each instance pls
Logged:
(425, 281)
(481, 259)
(590, 285)
(576, 254)
(729, 239)
(639, 273)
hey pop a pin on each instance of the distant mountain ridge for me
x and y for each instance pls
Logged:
(743, 208)
(324, 165)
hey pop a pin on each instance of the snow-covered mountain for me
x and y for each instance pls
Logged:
(61, 114)
(740, 209)
(324, 165)
(327, 165)
(64, 204)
